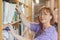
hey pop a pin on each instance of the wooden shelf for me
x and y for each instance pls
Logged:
(17, 1)
(1, 20)
(24, 7)
(14, 1)
(15, 22)
(3, 26)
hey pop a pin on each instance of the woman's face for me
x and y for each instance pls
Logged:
(45, 17)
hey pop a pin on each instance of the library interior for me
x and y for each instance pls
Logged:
(16, 14)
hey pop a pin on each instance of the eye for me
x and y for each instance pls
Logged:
(45, 13)
(40, 13)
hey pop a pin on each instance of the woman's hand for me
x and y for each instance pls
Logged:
(18, 10)
(10, 27)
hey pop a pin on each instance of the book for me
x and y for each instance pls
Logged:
(8, 12)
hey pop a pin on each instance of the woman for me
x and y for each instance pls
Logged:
(44, 30)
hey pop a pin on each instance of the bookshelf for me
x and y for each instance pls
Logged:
(24, 5)
(29, 17)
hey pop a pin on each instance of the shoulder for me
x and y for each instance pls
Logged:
(51, 33)
(34, 23)
(48, 34)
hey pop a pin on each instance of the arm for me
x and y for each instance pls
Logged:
(24, 19)
(31, 25)
(16, 35)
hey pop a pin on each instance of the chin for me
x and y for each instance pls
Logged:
(43, 22)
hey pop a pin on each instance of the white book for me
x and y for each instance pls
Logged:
(11, 12)
(5, 12)
(8, 12)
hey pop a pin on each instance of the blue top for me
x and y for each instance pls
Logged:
(48, 34)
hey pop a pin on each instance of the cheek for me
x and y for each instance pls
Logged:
(48, 18)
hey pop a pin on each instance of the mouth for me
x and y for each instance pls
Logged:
(41, 19)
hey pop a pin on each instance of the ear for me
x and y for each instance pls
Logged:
(50, 17)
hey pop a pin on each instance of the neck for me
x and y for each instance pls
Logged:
(45, 26)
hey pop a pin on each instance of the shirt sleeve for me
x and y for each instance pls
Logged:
(35, 27)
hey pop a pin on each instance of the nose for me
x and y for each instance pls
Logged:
(42, 16)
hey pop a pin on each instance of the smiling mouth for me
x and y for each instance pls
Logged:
(42, 19)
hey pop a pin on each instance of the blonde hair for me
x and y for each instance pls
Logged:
(48, 10)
